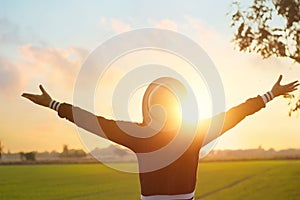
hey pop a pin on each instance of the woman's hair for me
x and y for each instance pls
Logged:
(162, 92)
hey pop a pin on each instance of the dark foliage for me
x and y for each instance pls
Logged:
(268, 28)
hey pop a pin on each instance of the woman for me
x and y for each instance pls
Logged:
(162, 178)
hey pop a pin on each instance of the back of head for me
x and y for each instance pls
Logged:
(162, 103)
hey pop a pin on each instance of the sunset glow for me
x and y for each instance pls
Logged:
(41, 43)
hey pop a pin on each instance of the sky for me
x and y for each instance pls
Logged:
(47, 43)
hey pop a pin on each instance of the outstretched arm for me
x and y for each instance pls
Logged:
(98, 125)
(221, 123)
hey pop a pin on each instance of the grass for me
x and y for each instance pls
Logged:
(249, 180)
(216, 180)
(90, 181)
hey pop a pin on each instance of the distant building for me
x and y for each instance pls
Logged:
(72, 152)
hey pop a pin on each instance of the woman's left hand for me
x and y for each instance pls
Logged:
(278, 89)
(44, 99)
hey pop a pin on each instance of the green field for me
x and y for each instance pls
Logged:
(216, 180)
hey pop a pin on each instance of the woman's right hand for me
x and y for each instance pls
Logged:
(44, 99)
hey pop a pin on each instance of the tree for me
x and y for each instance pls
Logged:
(1, 150)
(30, 156)
(269, 28)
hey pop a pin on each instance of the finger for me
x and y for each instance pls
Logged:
(31, 97)
(291, 89)
(42, 89)
(279, 79)
(292, 86)
(26, 95)
(295, 86)
(292, 83)
(287, 92)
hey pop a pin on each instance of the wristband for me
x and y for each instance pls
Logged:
(267, 97)
(54, 105)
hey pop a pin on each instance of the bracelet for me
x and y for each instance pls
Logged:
(54, 105)
(267, 97)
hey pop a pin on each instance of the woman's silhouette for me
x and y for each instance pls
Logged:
(176, 179)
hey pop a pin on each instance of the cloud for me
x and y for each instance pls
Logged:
(193, 27)
(117, 26)
(58, 65)
(165, 24)
(9, 77)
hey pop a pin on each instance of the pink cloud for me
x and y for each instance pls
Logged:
(166, 24)
(56, 64)
(193, 27)
(10, 79)
(117, 26)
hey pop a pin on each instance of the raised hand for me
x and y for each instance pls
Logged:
(44, 99)
(278, 89)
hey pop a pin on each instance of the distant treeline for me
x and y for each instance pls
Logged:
(34, 156)
(116, 153)
(252, 154)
